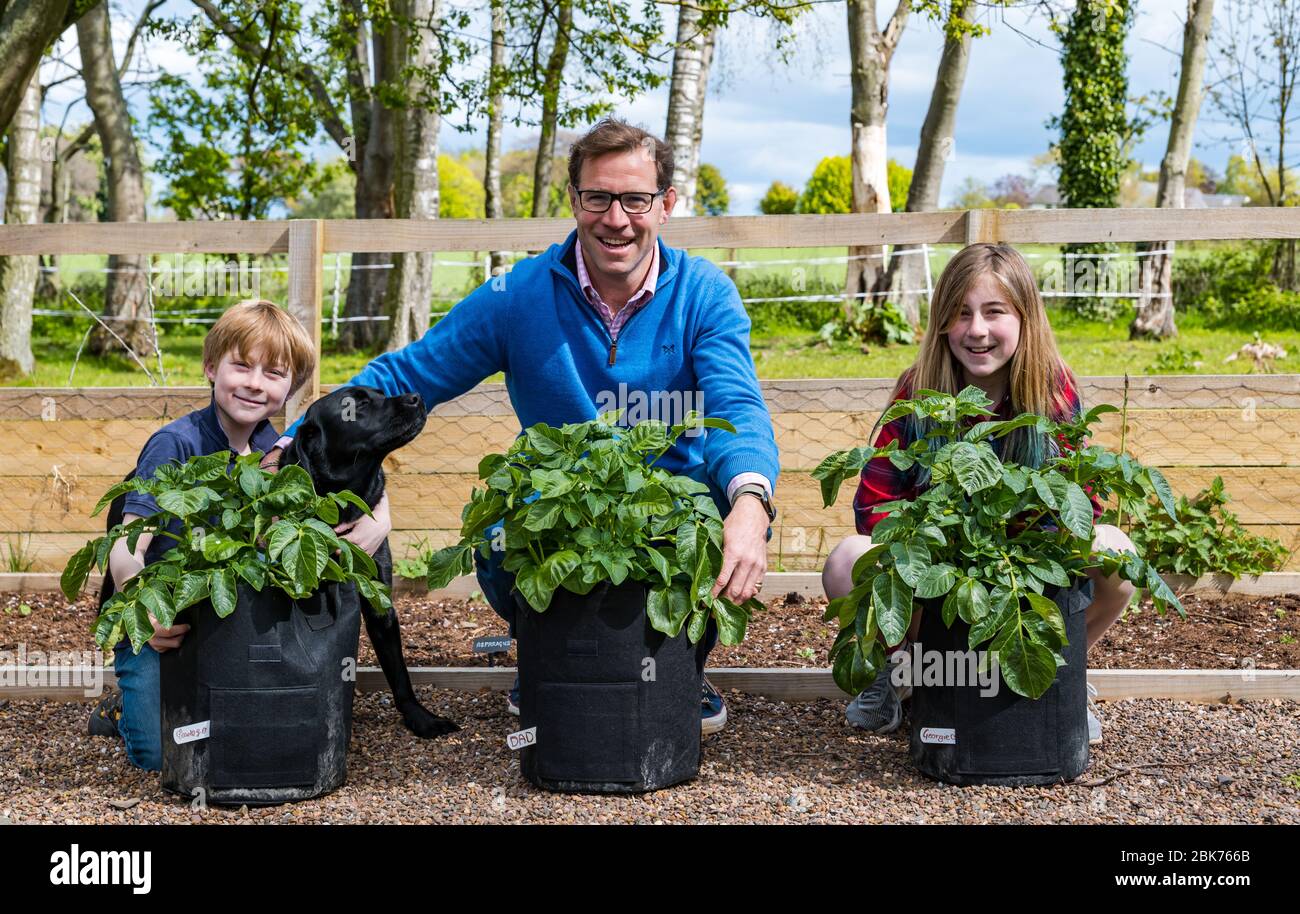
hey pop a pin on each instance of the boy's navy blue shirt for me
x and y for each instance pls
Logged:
(194, 434)
(535, 325)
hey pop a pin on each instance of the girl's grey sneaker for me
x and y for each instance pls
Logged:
(878, 707)
(1094, 721)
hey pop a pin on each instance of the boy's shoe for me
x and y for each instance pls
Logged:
(713, 710)
(106, 714)
(1094, 721)
(512, 698)
(878, 707)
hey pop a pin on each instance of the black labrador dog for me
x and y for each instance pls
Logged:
(342, 443)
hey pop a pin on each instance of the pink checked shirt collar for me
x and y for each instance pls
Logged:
(614, 321)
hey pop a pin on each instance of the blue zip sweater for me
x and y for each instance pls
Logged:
(687, 348)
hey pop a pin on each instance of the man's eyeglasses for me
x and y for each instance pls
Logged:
(634, 202)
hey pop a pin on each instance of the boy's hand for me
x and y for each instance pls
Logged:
(368, 533)
(164, 639)
(271, 460)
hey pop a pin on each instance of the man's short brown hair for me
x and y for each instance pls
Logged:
(614, 135)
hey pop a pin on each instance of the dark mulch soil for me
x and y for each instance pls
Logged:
(1221, 631)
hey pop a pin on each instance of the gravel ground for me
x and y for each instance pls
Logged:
(776, 762)
(1221, 632)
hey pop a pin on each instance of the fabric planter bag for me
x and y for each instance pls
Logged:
(615, 704)
(257, 707)
(962, 736)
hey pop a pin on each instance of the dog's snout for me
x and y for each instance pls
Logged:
(413, 399)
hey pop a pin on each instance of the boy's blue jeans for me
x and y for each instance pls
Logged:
(141, 723)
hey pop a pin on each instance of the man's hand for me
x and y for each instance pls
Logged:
(164, 639)
(271, 460)
(744, 550)
(369, 533)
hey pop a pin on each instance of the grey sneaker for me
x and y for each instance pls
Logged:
(878, 707)
(1094, 722)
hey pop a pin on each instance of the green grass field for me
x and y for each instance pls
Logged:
(780, 351)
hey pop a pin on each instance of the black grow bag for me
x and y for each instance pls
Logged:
(274, 680)
(607, 720)
(962, 737)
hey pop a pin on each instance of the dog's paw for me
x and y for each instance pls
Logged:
(427, 725)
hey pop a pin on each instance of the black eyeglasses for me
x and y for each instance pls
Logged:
(634, 202)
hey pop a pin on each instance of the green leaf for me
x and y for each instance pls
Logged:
(1163, 491)
(893, 604)
(910, 559)
(732, 621)
(1050, 613)
(76, 571)
(1028, 667)
(558, 565)
(183, 502)
(192, 588)
(972, 600)
(447, 564)
(542, 515)
(221, 586)
(936, 581)
(976, 466)
(1076, 511)
(695, 628)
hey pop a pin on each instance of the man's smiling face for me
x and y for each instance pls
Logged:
(616, 246)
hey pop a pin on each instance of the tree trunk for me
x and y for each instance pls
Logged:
(410, 285)
(1155, 310)
(27, 27)
(126, 289)
(692, 58)
(22, 205)
(375, 126)
(907, 271)
(870, 51)
(552, 82)
(494, 206)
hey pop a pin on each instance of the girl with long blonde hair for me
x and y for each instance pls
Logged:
(987, 327)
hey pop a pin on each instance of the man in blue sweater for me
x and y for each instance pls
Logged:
(609, 317)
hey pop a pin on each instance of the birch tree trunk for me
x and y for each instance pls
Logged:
(870, 52)
(126, 289)
(410, 285)
(1155, 309)
(494, 206)
(375, 138)
(22, 204)
(692, 58)
(551, 85)
(907, 264)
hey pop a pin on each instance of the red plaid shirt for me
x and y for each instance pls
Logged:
(882, 482)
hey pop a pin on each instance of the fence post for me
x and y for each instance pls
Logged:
(306, 253)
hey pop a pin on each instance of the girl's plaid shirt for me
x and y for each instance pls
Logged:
(882, 482)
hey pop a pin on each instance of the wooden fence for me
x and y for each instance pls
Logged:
(61, 448)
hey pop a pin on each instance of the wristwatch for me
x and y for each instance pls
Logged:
(753, 488)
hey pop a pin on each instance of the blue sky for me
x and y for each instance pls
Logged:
(767, 121)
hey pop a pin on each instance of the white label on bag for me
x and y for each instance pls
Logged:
(522, 738)
(943, 735)
(191, 732)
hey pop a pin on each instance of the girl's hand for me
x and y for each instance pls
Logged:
(369, 533)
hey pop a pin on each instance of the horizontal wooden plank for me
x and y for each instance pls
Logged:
(1055, 226)
(69, 683)
(216, 237)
